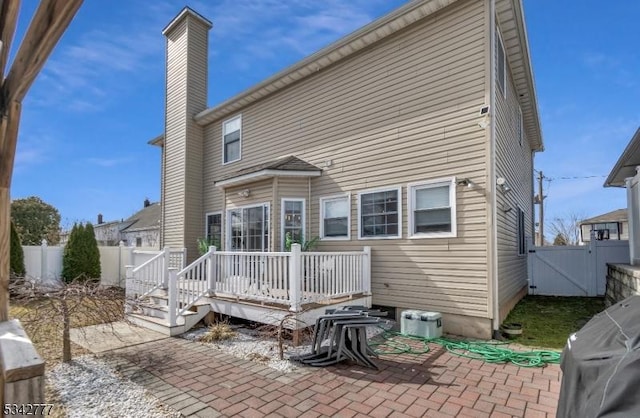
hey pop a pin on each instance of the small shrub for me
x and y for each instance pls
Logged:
(305, 245)
(81, 257)
(17, 255)
(218, 332)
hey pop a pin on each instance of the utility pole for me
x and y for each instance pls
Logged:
(541, 203)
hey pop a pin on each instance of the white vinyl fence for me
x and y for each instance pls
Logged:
(574, 270)
(44, 263)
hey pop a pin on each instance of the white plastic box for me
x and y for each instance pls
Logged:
(421, 324)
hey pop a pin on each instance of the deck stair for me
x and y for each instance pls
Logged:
(152, 311)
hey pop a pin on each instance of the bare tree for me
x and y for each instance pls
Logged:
(568, 227)
(85, 302)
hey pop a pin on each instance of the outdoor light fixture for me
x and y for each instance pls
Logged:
(465, 182)
(502, 183)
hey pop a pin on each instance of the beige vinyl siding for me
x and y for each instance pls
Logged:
(293, 188)
(402, 111)
(187, 53)
(514, 163)
(174, 148)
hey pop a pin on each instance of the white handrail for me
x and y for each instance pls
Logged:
(192, 282)
(147, 277)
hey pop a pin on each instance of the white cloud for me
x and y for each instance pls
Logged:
(33, 150)
(109, 162)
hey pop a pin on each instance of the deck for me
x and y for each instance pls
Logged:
(264, 287)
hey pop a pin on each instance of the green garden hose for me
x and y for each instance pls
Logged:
(489, 352)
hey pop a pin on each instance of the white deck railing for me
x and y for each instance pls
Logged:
(149, 270)
(283, 278)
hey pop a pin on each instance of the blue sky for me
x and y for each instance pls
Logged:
(87, 119)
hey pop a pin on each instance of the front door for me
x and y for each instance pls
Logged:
(248, 228)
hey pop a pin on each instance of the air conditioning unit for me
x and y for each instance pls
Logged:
(421, 324)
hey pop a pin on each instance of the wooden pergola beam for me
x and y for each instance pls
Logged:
(49, 22)
(8, 19)
(47, 26)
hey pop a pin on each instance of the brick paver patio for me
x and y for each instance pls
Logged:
(202, 382)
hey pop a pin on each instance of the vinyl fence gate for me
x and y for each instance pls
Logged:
(574, 270)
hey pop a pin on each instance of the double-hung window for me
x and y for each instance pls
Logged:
(232, 139)
(214, 229)
(522, 245)
(334, 217)
(292, 220)
(380, 214)
(432, 209)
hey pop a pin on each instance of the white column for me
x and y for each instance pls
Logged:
(211, 269)
(366, 271)
(629, 183)
(165, 267)
(295, 262)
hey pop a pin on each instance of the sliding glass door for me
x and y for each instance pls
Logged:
(248, 228)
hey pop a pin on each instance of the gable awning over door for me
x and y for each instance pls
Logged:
(290, 166)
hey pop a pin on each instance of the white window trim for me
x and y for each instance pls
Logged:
(227, 222)
(335, 197)
(304, 217)
(499, 44)
(206, 225)
(446, 181)
(398, 189)
(240, 151)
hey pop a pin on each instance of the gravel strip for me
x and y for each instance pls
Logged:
(89, 388)
(249, 344)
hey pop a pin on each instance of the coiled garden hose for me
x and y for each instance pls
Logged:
(489, 352)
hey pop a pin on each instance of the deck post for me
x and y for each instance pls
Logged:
(165, 267)
(366, 271)
(173, 296)
(295, 261)
(211, 269)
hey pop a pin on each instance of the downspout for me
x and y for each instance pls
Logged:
(491, 187)
(307, 210)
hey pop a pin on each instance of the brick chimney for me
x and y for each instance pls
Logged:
(186, 96)
(99, 218)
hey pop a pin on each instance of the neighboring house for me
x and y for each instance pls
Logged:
(612, 225)
(142, 229)
(414, 135)
(626, 173)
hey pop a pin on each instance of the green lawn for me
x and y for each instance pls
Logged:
(547, 321)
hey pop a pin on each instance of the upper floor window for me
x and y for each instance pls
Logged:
(232, 139)
(501, 64)
(380, 214)
(432, 209)
(334, 217)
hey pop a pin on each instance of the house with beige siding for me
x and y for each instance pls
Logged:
(412, 137)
